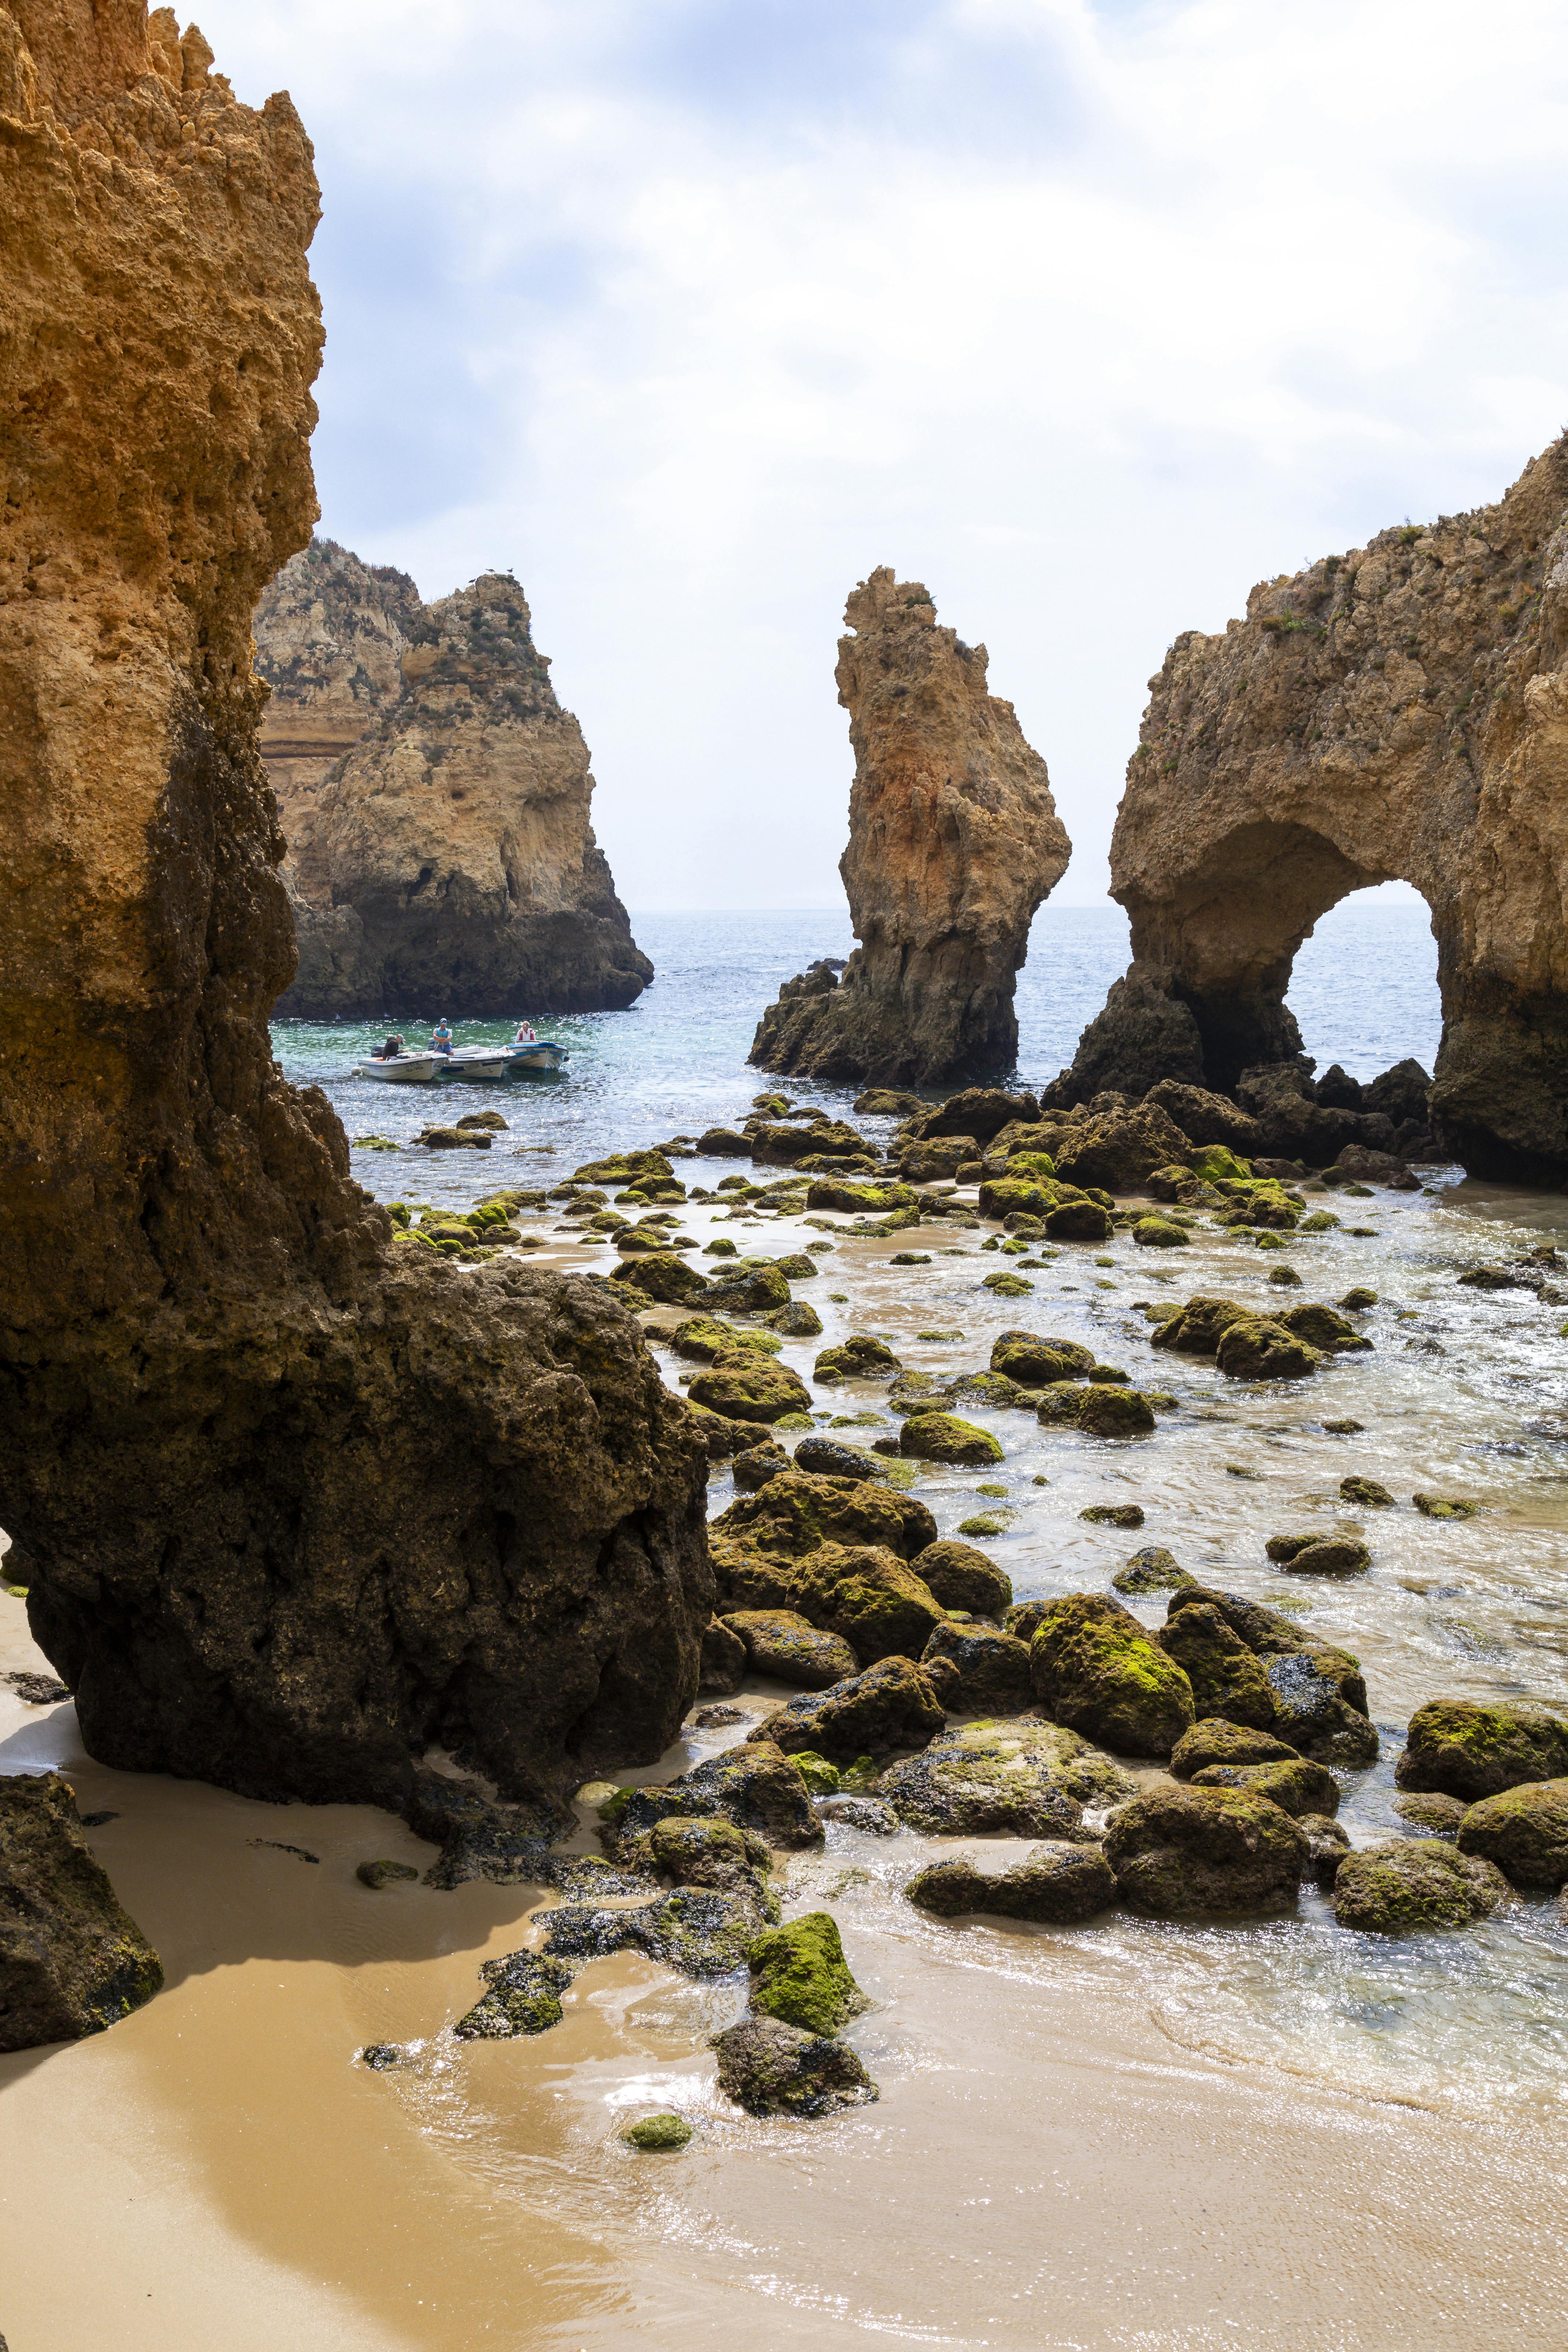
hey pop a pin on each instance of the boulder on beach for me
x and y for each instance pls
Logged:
(961, 1577)
(1212, 1740)
(771, 2068)
(1026, 1777)
(755, 1785)
(800, 1976)
(1226, 1676)
(946, 1437)
(72, 1960)
(1187, 1853)
(1095, 1669)
(742, 1386)
(992, 1669)
(781, 1642)
(1414, 1883)
(1056, 1885)
(1524, 1830)
(892, 1704)
(1472, 1751)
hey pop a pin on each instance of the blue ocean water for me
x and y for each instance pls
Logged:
(1365, 993)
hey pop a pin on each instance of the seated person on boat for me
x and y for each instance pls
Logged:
(525, 1036)
(389, 1052)
(441, 1038)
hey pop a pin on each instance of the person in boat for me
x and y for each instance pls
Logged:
(390, 1051)
(441, 1037)
(525, 1036)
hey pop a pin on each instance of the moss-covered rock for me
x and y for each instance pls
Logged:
(701, 1338)
(743, 1387)
(1214, 1742)
(1320, 1706)
(714, 1853)
(828, 1457)
(658, 2134)
(1160, 1232)
(1056, 1885)
(377, 1874)
(695, 1930)
(781, 1642)
(1031, 1359)
(1319, 1555)
(1325, 1329)
(1026, 1778)
(1096, 1407)
(1294, 1783)
(892, 1704)
(1196, 1328)
(1186, 1853)
(1411, 1884)
(754, 1288)
(1474, 1752)
(1114, 1514)
(992, 1669)
(1216, 1164)
(661, 1275)
(868, 1596)
(1524, 1830)
(1153, 1570)
(857, 1199)
(771, 2068)
(72, 1961)
(799, 1975)
(798, 1320)
(625, 1168)
(959, 1577)
(1007, 1285)
(796, 1511)
(1095, 1669)
(723, 1667)
(1366, 1494)
(944, 1437)
(524, 1997)
(1444, 1507)
(861, 1357)
(1430, 1811)
(755, 1785)
(754, 1462)
(1226, 1678)
(1261, 1347)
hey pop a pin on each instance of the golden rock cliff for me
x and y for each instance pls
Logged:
(447, 863)
(1398, 712)
(290, 1506)
(953, 842)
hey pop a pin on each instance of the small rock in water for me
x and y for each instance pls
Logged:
(1390, 1890)
(712, 1718)
(771, 2068)
(1441, 1506)
(37, 1690)
(377, 1874)
(1153, 1570)
(1057, 1884)
(1367, 1493)
(1356, 1300)
(1114, 1514)
(381, 2055)
(869, 1814)
(524, 1997)
(1344, 1428)
(1431, 1811)
(658, 2132)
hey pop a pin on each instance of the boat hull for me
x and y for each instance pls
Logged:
(407, 1070)
(539, 1058)
(473, 1062)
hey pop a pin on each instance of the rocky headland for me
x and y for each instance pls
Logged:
(953, 842)
(293, 1507)
(1398, 712)
(436, 802)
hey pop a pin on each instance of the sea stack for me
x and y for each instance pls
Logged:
(436, 802)
(953, 842)
(1398, 712)
(295, 1503)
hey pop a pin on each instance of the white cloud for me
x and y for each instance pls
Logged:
(692, 310)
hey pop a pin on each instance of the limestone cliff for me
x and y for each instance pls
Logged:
(293, 1507)
(445, 862)
(1397, 712)
(953, 842)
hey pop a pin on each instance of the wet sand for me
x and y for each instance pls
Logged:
(1123, 2135)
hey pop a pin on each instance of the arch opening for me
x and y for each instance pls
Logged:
(1363, 988)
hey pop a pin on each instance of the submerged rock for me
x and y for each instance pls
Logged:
(72, 1961)
(1319, 1555)
(524, 1997)
(1391, 1890)
(1185, 1853)
(1033, 1360)
(928, 994)
(1472, 1751)
(1095, 1669)
(1027, 1778)
(800, 1976)
(771, 2068)
(1055, 1884)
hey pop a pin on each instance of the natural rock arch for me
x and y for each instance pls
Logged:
(1399, 713)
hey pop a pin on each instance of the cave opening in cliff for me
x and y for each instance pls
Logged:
(1391, 1010)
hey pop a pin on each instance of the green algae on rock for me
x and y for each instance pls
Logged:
(1524, 1830)
(1319, 1555)
(1096, 1407)
(771, 2068)
(72, 1960)
(1294, 1783)
(1095, 1669)
(1226, 1676)
(755, 1786)
(1414, 1883)
(703, 1337)
(524, 1997)
(993, 1668)
(1113, 1515)
(944, 1437)
(1057, 1884)
(1262, 1347)
(781, 1642)
(861, 1357)
(1026, 1777)
(1212, 1740)
(962, 1578)
(891, 1705)
(654, 2134)
(1471, 1751)
(377, 1874)
(1186, 1853)
(800, 1976)
(1153, 1570)
(745, 1387)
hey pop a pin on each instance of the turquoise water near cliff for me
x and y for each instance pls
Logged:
(1365, 993)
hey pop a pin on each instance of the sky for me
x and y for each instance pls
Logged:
(690, 312)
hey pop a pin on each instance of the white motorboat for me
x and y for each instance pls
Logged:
(541, 1055)
(475, 1062)
(400, 1070)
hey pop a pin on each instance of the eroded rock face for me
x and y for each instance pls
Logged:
(953, 842)
(447, 862)
(295, 1503)
(1398, 712)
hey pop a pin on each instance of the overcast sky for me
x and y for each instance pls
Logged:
(691, 312)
